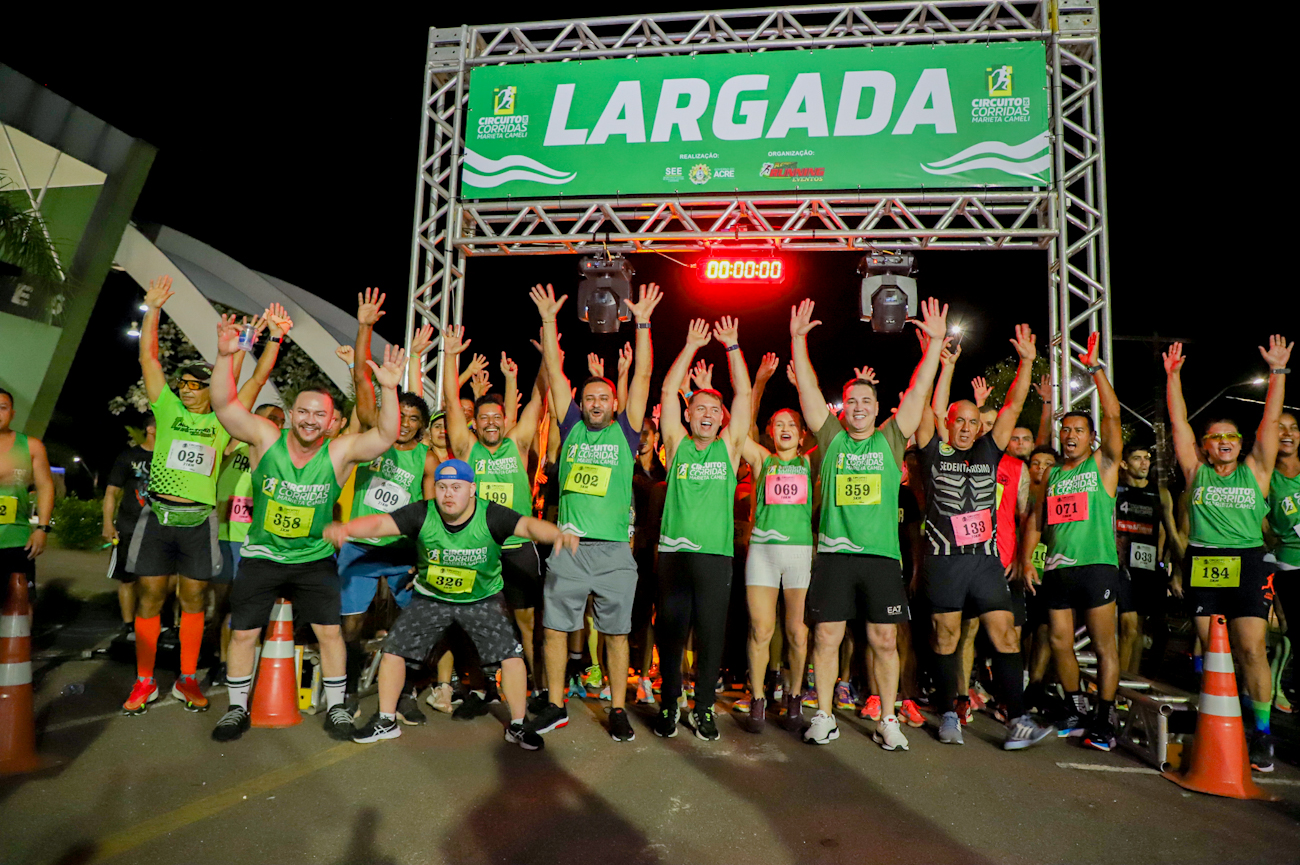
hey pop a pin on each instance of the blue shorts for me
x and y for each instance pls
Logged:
(361, 566)
(229, 561)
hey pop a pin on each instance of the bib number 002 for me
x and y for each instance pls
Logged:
(587, 479)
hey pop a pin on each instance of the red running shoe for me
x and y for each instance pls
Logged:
(144, 693)
(186, 691)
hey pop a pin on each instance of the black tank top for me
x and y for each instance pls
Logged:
(960, 483)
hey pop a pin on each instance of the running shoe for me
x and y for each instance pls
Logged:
(538, 700)
(352, 703)
(143, 693)
(845, 699)
(1100, 735)
(605, 693)
(1282, 703)
(519, 734)
(216, 676)
(550, 718)
(871, 708)
(822, 730)
(575, 690)
(186, 692)
(1261, 752)
(950, 729)
(338, 723)
(592, 677)
(889, 735)
(742, 705)
(810, 698)
(620, 728)
(704, 725)
(377, 728)
(778, 692)
(475, 706)
(665, 725)
(757, 719)
(440, 698)
(682, 703)
(1069, 723)
(792, 719)
(910, 714)
(645, 691)
(1025, 732)
(408, 711)
(232, 725)
(979, 698)
(965, 711)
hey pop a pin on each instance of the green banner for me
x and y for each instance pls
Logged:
(906, 117)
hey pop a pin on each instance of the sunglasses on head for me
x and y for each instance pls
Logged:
(191, 384)
(1223, 437)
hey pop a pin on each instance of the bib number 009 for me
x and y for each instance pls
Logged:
(384, 495)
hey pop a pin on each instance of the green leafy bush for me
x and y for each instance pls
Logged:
(77, 522)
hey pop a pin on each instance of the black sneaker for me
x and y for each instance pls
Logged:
(620, 728)
(1261, 752)
(538, 700)
(352, 703)
(378, 727)
(408, 711)
(338, 723)
(552, 717)
(518, 734)
(665, 725)
(216, 677)
(474, 706)
(704, 725)
(1100, 735)
(232, 725)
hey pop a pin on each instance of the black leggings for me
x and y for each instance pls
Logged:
(694, 589)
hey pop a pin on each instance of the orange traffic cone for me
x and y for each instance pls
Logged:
(17, 722)
(275, 694)
(1220, 763)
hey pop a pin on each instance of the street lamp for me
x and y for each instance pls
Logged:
(1253, 382)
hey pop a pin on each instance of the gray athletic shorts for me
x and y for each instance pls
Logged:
(605, 569)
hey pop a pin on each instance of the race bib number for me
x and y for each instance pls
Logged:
(1216, 572)
(386, 496)
(452, 581)
(973, 528)
(1141, 556)
(857, 490)
(241, 509)
(186, 456)
(588, 480)
(1072, 508)
(1039, 557)
(499, 492)
(8, 510)
(785, 489)
(287, 521)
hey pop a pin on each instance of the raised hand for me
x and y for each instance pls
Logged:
(865, 373)
(509, 368)
(160, 291)
(477, 364)
(948, 356)
(368, 306)
(789, 373)
(453, 340)
(1044, 389)
(278, 320)
(595, 364)
(346, 354)
(625, 358)
(1025, 343)
(934, 319)
(981, 389)
(336, 533)
(421, 340)
(1278, 353)
(479, 383)
(650, 297)
(1089, 358)
(767, 367)
(727, 331)
(697, 334)
(1174, 359)
(547, 305)
(702, 375)
(390, 373)
(228, 329)
(801, 320)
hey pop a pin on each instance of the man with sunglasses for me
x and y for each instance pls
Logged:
(177, 533)
(1227, 503)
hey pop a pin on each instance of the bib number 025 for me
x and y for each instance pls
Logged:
(187, 456)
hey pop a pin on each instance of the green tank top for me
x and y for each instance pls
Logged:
(187, 452)
(700, 501)
(15, 500)
(291, 506)
(1080, 518)
(502, 477)
(1226, 513)
(786, 516)
(860, 481)
(234, 496)
(596, 483)
(389, 482)
(1284, 517)
(458, 567)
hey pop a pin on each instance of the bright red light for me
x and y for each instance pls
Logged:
(734, 270)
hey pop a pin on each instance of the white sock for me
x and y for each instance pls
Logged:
(334, 690)
(518, 720)
(388, 716)
(237, 689)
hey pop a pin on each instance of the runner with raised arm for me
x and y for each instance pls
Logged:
(1284, 545)
(859, 563)
(1228, 500)
(23, 465)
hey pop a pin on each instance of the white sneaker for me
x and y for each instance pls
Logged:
(823, 729)
(889, 735)
(645, 691)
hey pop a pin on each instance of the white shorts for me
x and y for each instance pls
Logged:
(778, 565)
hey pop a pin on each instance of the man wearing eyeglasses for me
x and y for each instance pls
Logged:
(177, 533)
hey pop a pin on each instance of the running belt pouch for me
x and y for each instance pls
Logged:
(180, 516)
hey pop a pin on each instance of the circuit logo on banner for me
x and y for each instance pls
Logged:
(852, 118)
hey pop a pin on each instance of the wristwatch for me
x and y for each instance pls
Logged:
(47, 528)
(643, 325)
(1093, 370)
(1284, 370)
(278, 340)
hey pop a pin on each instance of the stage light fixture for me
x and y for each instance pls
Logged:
(603, 294)
(888, 290)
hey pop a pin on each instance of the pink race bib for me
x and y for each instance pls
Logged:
(241, 509)
(785, 489)
(1072, 508)
(973, 528)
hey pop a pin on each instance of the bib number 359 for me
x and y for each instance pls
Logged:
(857, 490)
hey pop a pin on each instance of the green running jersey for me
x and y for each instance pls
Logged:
(15, 501)
(502, 477)
(187, 451)
(1284, 517)
(596, 482)
(700, 501)
(388, 482)
(1226, 513)
(1080, 526)
(860, 481)
(234, 496)
(783, 514)
(291, 506)
(458, 567)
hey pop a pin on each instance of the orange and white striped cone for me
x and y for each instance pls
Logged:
(1220, 761)
(17, 721)
(275, 694)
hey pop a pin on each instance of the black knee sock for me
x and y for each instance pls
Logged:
(355, 660)
(949, 680)
(1008, 679)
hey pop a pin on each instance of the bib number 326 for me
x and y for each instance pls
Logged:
(186, 456)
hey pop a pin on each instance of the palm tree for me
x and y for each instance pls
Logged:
(24, 242)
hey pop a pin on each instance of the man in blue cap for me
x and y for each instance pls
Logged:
(459, 581)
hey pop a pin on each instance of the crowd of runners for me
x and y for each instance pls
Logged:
(584, 542)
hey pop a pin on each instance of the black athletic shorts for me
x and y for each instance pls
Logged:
(1036, 608)
(1251, 597)
(973, 583)
(161, 551)
(521, 574)
(1083, 587)
(844, 585)
(1142, 591)
(312, 588)
(1019, 608)
(487, 622)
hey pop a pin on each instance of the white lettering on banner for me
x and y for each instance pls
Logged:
(509, 126)
(622, 116)
(753, 110)
(685, 117)
(308, 495)
(931, 90)
(459, 558)
(847, 121)
(803, 108)
(557, 131)
(868, 462)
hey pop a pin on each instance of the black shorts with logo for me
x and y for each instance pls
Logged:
(161, 551)
(1082, 587)
(521, 576)
(312, 588)
(976, 583)
(1251, 597)
(1142, 591)
(487, 622)
(845, 585)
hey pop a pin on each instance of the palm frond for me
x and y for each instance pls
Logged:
(23, 239)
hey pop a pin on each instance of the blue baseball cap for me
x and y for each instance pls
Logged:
(453, 470)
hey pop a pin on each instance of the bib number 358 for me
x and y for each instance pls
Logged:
(287, 521)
